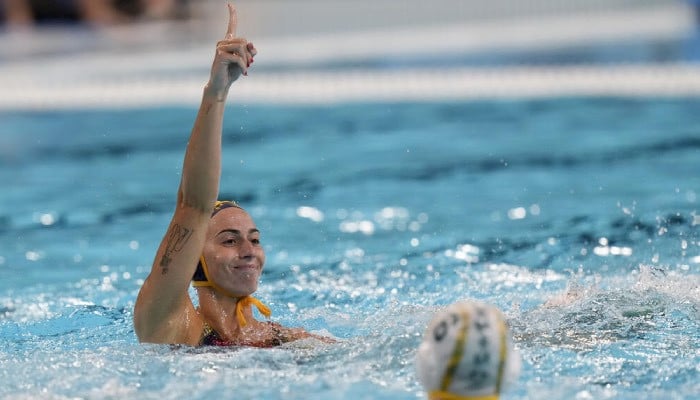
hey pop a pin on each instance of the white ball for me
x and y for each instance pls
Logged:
(467, 350)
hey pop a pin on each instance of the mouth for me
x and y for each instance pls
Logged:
(246, 267)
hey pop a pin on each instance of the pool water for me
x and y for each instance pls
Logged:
(576, 216)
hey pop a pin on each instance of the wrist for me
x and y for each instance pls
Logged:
(215, 94)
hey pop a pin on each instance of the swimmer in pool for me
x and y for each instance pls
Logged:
(467, 353)
(215, 244)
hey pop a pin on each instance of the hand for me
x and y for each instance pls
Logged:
(233, 57)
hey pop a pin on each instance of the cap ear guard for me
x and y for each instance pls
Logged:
(199, 274)
(466, 353)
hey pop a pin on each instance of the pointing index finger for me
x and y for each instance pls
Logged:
(232, 22)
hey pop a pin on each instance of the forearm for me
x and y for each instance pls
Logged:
(201, 170)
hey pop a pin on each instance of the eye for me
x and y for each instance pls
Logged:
(255, 241)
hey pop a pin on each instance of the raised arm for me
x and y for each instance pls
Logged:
(163, 310)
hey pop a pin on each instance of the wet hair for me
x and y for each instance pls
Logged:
(199, 274)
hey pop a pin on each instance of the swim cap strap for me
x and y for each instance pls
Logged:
(245, 302)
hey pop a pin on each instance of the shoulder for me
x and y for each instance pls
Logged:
(183, 325)
(286, 334)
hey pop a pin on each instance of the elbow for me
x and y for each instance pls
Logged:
(201, 204)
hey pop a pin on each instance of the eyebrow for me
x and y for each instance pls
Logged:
(237, 232)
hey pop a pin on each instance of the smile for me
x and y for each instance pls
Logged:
(246, 267)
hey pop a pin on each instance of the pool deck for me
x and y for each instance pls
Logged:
(389, 55)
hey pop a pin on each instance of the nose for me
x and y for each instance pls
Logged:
(245, 249)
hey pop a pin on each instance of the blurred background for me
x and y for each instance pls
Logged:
(58, 54)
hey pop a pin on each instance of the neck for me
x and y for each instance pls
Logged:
(219, 311)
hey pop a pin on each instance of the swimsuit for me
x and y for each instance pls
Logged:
(210, 337)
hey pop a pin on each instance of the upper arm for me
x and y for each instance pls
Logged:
(163, 299)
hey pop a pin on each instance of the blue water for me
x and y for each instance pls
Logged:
(576, 216)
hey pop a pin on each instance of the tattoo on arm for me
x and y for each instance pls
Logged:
(178, 236)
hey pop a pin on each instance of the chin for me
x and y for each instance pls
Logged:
(247, 291)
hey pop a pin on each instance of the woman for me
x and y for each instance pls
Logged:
(216, 242)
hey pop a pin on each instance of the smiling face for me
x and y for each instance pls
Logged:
(233, 252)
